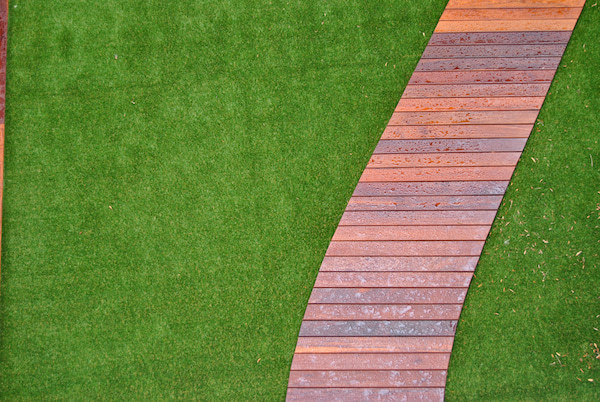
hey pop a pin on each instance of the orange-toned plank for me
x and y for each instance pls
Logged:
(360, 394)
(516, 25)
(469, 104)
(393, 280)
(375, 378)
(443, 160)
(475, 90)
(456, 131)
(475, 173)
(404, 248)
(349, 312)
(513, 3)
(417, 218)
(475, 117)
(424, 203)
(399, 264)
(481, 77)
(369, 361)
(386, 233)
(483, 14)
(387, 296)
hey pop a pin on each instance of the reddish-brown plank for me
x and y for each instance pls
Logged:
(513, 3)
(453, 52)
(374, 378)
(387, 296)
(489, 63)
(435, 160)
(398, 264)
(436, 174)
(469, 104)
(379, 344)
(480, 77)
(474, 117)
(424, 203)
(378, 233)
(350, 312)
(404, 248)
(446, 145)
(452, 188)
(456, 131)
(371, 361)
(546, 13)
(361, 394)
(417, 218)
(475, 90)
(499, 38)
(507, 25)
(393, 280)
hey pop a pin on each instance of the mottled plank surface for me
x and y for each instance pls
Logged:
(381, 318)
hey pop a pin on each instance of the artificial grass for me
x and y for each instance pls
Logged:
(175, 171)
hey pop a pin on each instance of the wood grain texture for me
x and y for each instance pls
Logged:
(383, 311)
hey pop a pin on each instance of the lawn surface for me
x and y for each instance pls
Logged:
(175, 171)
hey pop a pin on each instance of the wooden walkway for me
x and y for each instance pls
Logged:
(381, 318)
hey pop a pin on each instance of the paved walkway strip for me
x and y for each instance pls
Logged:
(381, 318)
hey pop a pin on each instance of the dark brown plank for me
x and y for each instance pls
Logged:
(378, 344)
(489, 63)
(362, 394)
(375, 378)
(456, 131)
(453, 52)
(431, 188)
(483, 14)
(387, 296)
(500, 38)
(448, 145)
(437, 174)
(469, 104)
(424, 203)
(404, 248)
(350, 312)
(417, 218)
(480, 77)
(435, 160)
(398, 264)
(475, 90)
(393, 280)
(426, 233)
(374, 361)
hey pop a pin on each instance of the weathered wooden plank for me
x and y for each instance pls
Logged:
(404, 248)
(474, 117)
(479, 51)
(456, 130)
(374, 378)
(414, 233)
(424, 203)
(378, 328)
(489, 14)
(435, 160)
(513, 3)
(469, 104)
(379, 344)
(437, 174)
(399, 264)
(489, 63)
(362, 394)
(507, 25)
(500, 38)
(393, 280)
(480, 77)
(448, 145)
(371, 361)
(453, 188)
(387, 296)
(475, 90)
(349, 312)
(417, 218)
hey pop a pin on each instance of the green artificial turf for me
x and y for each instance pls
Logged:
(175, 171)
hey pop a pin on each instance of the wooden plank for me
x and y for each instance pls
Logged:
(424, 203)
(456, 131)
(448, 145)
(362, 394)
(479, 51)
(414, 233)
(475, 90)
(417, 218)
(437, 174)
(475, 117)
(480, 77)
(516, 25)
(443, 160)
(500, 38)
(374, 378)
(378, 328)
(404, 248)
(371, 361)
(398, 264)
(379, 344)
(489, 63)
(513, 3)
(393, 280)
(469, 104)
(454, 188)
(490, 14)
(349, 312)
(387, 296)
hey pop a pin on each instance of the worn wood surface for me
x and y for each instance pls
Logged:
(381, 318)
